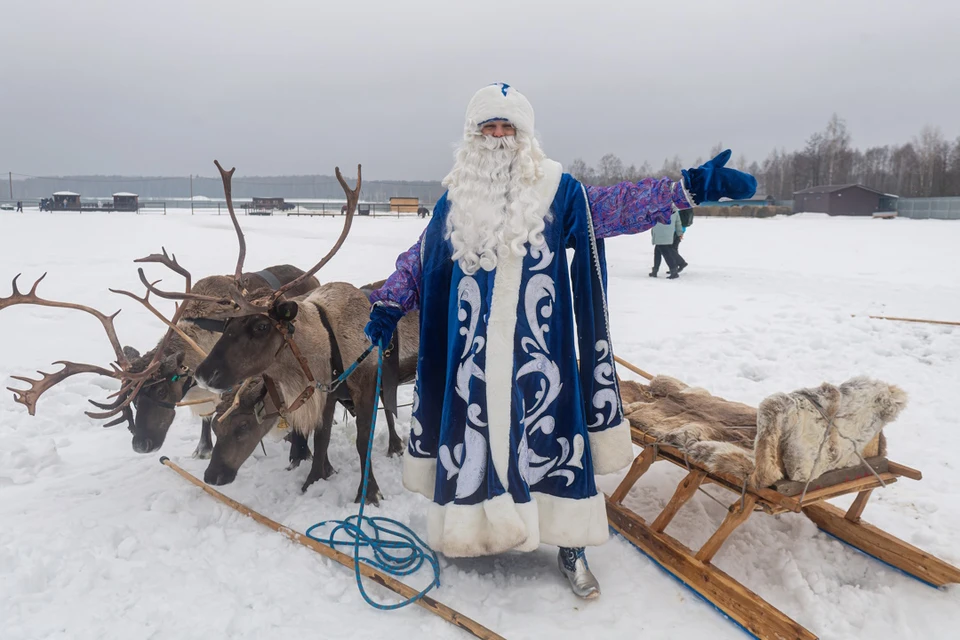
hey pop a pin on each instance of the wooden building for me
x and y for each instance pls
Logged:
(400, 204)
(843, 200)
(126, 201)
(66, 201)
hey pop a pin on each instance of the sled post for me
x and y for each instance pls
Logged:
(639, 467)
(737, 515)
(856, 509)
(685, 490)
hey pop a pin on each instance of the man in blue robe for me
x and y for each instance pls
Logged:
(508, 429)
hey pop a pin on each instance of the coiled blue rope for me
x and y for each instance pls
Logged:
(395, 548)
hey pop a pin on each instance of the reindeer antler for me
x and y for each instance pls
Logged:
(227, 178)
(145, 301)
(29, 397)
(353, 196)
(236, 401)
(17, 297)
(170, 261)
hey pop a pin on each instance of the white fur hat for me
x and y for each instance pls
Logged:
(500, 101)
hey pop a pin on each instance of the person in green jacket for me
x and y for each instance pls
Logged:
(662, 236)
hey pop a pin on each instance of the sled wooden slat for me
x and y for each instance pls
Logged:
(832, 478)
(685, 490)
(856, 509)
(637, 469)
(734, 599)
(748, 609)
(905, 471)
(737, 515)
(852, 486)
(883, 546)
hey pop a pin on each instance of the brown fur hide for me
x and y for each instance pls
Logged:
(781, 439)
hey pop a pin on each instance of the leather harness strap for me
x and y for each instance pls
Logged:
(272, 281)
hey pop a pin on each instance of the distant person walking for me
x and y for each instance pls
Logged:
(20, 206)
(686, 219)
(663, 236)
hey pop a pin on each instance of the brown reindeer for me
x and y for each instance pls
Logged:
(173, 382)
(239, 424)
(262, 337)
(325, 326)
(259, 340)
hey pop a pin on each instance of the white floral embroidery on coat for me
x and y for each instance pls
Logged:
(468, 460)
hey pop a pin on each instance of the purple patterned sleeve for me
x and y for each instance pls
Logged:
(632, 207)
(402, 288)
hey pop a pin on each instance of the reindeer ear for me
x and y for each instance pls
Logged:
(284, 311)
(131, 353)
(171, 364)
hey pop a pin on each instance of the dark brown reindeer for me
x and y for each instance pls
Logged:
(132, 376)
(240, 421)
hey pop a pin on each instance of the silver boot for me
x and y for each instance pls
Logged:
(573, 565)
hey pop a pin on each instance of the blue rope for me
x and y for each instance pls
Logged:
(396, 549)
(336, 382)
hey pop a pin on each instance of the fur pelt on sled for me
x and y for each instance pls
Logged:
(779, 440)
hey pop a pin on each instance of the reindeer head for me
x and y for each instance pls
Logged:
(156, 404)
(248, 347)
(238, 430)
(262, 322)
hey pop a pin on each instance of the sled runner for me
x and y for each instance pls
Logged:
(694, 567)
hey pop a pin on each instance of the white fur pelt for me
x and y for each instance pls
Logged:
(494, 203)
(790, 429)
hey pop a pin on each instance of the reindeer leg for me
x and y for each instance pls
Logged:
(321, 467)
(365, 413)
(396, 442)
(205, 446)
(299, 449)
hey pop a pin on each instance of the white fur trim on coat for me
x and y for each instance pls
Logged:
(419, 474)
(566, 522)
(611, 449)
(491, 527)
(500, 525)
(501, 328)
(500, 101)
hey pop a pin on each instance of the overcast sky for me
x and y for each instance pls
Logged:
(281, 87)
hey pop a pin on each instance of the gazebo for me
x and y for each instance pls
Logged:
(126, 201)
(66, 201)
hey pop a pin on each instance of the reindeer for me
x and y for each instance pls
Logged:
(258, 340)
(240, 424)
(173, 382)
(154, 382)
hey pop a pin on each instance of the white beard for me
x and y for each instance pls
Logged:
(494, 205)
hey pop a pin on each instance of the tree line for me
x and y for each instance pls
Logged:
(927, 166)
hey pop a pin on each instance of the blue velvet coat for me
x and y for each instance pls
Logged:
(507, 430)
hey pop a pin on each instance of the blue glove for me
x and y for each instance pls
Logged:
(383, 322)
(711, 181)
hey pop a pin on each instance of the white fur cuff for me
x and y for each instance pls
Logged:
(611, 449)
(566, 522)
(489, 528)
(419, 474)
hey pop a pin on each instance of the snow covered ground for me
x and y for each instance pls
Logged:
(97, 541)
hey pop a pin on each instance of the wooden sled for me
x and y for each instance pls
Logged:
(695, 569)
